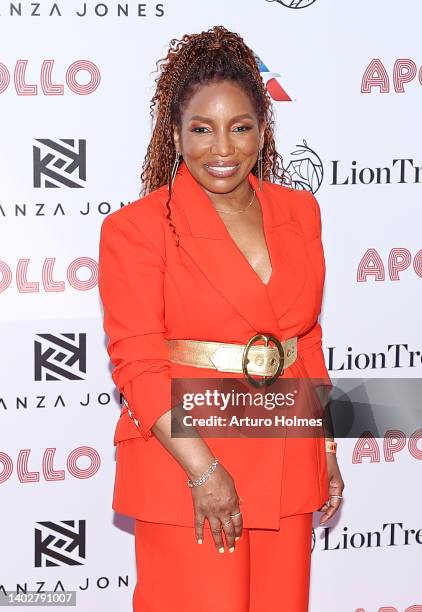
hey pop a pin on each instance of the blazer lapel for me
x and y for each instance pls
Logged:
(210, 245)
(286, 244)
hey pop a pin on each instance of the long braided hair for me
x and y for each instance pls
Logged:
(194, 60)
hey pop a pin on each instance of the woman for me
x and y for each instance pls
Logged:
(215, 252)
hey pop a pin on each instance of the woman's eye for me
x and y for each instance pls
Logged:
(205, 130)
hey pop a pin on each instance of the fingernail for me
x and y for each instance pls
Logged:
(221, 549)
(237, 537)
(231, 549)
(199, 541)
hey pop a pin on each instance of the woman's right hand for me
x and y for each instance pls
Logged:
(215, 500)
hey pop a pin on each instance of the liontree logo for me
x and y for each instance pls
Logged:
(306, 170)
(294, 4)
(271, 80)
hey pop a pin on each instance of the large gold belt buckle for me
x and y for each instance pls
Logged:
(266, 380)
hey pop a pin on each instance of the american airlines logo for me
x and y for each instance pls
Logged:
(272, 82)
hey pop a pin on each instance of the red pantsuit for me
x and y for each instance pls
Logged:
(268, 571)
(205, 289)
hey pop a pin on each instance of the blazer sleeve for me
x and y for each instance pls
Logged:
(311, 342)
(130, 280)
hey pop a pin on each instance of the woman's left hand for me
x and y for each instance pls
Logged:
(336, 487)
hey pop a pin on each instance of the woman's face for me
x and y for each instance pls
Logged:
(219, 136)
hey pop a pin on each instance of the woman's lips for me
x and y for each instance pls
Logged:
(222, 171)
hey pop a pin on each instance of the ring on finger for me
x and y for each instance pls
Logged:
(237, 514)
(227, 522)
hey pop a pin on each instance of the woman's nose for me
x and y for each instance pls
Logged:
(222, 145)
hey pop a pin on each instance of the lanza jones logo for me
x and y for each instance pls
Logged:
(61, 543)
(294, 4)
(59, 163)
(61, 357)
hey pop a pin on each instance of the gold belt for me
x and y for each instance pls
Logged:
(263, 360)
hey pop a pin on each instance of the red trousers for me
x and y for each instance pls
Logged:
(269, 571)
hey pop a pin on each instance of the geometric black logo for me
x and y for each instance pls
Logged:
(61, 543)
(61, 357)
(294, 4)
(59, 163)
(305, 170)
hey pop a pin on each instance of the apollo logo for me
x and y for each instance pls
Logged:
(47, 82)
(46, 279)
(47, 468)
(395, 441)
(414, 608)
(59, 163)
(399, 261)
(60, 544)
(377, 77)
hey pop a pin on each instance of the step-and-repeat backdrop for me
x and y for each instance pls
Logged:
(75, 83)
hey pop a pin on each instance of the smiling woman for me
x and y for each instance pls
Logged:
(219, 145)
(222, 142)
(217, 259)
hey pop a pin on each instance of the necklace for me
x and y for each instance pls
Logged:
(234, 212)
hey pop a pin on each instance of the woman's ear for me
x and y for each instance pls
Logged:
(262, 137)
(176, 139)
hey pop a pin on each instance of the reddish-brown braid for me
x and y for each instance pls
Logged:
(197, 59)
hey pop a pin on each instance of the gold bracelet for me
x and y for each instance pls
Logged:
(330, 446)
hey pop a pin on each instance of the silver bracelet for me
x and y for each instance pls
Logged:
(204, 476)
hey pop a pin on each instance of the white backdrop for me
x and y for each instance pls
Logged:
(74, 125)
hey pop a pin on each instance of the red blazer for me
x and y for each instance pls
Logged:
(205, 289)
